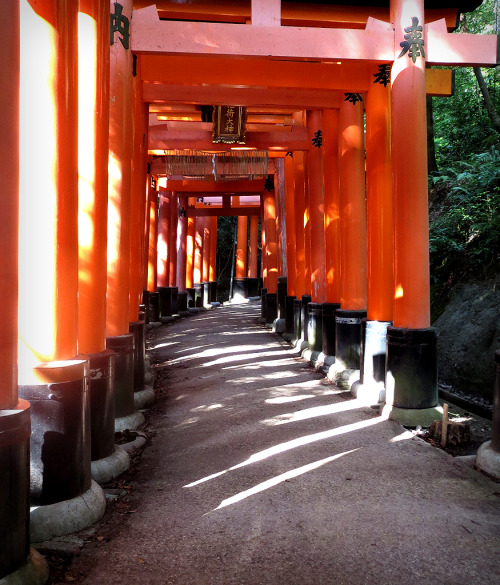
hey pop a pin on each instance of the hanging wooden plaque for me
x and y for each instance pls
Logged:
(229, 124)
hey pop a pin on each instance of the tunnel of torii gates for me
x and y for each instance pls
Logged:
(94, 96)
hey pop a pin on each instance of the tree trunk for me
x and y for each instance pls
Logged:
(488, 102)
(431, 147)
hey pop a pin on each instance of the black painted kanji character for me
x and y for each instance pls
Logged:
(353, 98)
(383, 75)
(120, 24)
(414, 43)
(318, 139)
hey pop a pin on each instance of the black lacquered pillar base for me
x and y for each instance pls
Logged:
(191, 297)
(165, 293)
(282, 290)
(213, 291)
(182, 302)
(315, 327)
(145, 303)
(373, 351)
(174, 293)
(304, 317)
(240, 288)
(206, 294)
(271, 308)
(263, 294)
(411, 376)
(253, 287)
(297, 310)
(329, 328)
(198, 294)
(15, 429)
(495, 437)
(60, 439)
(154, 307)
(137, 330)
(102, 404)
(123, 346)
(290, 316)
(348, 338)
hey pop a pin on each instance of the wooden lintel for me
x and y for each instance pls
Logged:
(150, 35)
(194, 187)
(221, 211)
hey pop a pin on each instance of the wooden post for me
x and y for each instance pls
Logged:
(153, 242)
(299, 201)
(9, 204)
(119, 190)
(242, 247)
(164, 239)
(182, 236)
(252, 251)
(174, 216)
(190, 249)
(271, 250)
(290, 225)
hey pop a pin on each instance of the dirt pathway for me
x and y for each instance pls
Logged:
(260, 472)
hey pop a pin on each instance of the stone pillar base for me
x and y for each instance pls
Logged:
(108, 468)
(144, 398)
(413, 417)
(67, 516)
(488, 460)
(130, 422)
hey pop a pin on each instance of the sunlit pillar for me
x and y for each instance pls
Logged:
(332, 227)
(271, 253)
(190, 250)
(174, 216)
(121, 141)
(253, 245)
(411, 383)
(182, 234)
(153, 243)
(48, 254)
(353, 235)
(198, 261)
(306, 297)
(300, 257)
(207, 248)
(139, 183)
(163, 240)
(240, 283)
(379, 232)
(14, 413)
(317, 221)
(93, 147)
(280, 197)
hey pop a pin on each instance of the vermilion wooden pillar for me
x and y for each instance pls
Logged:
(207, 250)
(174, 216)
(153, 243)
(121, 142)
(271, 253)
(380, 250)
(290, 244)
(411, 379)
(213, 261)
(182, 237)
(139, 183)
(306, 297)
(280, 197)
(240, 283)
(252, 250)
(198, 250)
(191, 237)
(317, 222)
(353, 236)
(164, 219)
(299, 201)
(48, 255)
(14, 413)
(332, 226)
(119, 190)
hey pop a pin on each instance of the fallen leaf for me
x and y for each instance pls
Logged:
(141, 561)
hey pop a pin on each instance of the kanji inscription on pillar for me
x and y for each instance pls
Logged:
(269, 183)
(182, 212)
(353, 98)
(384, 75)
(120, 24)
(317, 139)
(413, 43)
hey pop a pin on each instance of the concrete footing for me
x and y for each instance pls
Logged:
(279, 326)
(106, 469)
(67, 516)
(488, 460)
(413, 417)
(130, 422)
(34, 571)
(144, 398)
(369, 394)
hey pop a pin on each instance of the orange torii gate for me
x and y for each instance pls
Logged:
(88, 270)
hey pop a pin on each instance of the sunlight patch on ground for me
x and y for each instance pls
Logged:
(314, 412)
(285, 399)
(242, 356)
(279, 375)
(296, 443)
(205, 408)
(403, 436)
(187, 422)
(166, 344)
(265, 485)
(254, 365)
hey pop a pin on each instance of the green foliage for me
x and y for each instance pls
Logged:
(465, 233)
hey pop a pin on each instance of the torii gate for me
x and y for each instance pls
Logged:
(81, 277)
